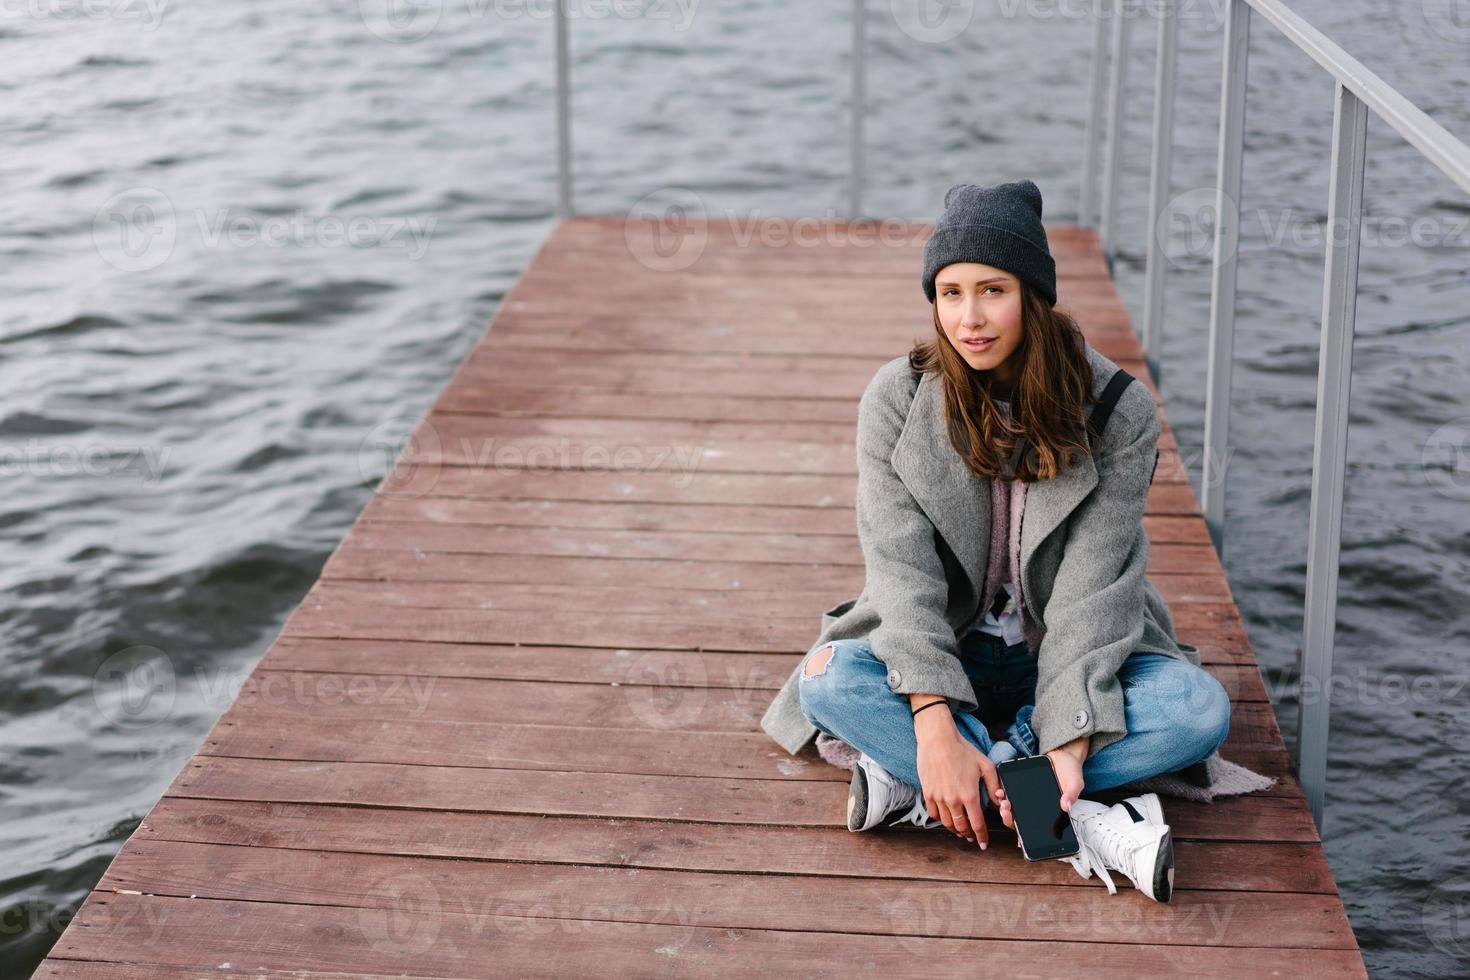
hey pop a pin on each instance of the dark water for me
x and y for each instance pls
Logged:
(243, 246)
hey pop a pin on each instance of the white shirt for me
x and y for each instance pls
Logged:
(1008, 624)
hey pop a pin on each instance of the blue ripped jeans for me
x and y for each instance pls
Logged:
(1177, 713)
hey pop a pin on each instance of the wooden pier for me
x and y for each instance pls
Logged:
(513, 729)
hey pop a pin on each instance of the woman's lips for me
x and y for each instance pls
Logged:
(979, 345)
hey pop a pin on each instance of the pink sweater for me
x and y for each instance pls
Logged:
(1007, 507)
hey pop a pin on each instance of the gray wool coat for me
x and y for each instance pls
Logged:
(923, 522)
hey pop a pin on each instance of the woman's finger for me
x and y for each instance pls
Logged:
(945, 817)
(961, 822)
(976, 814)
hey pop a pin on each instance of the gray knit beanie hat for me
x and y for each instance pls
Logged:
(998, 225)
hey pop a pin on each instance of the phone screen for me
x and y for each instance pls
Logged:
(1036, 808)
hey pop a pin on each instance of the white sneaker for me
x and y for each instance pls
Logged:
(875, 794)
(1146, 806)
(1123, 839)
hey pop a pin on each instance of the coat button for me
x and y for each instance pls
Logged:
(894, 677)
(1080, 718)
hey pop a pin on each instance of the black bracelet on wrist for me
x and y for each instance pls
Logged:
(931, 704)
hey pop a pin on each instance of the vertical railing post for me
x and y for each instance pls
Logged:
(1158, 185)
(563, 113)
(859, 99)
(1329, 444)
(1117, 83)
(1222, 286)
(1086, 202)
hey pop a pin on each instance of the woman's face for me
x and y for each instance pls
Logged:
(979, 302)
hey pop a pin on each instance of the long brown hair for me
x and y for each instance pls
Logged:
(1051, 400)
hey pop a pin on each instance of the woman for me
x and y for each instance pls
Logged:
(1005, 554)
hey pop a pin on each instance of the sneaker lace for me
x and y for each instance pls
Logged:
(1107, 849)
(918, 815)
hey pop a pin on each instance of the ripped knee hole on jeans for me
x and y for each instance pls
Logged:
(819, 659)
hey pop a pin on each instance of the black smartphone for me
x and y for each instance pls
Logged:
(1036, 808)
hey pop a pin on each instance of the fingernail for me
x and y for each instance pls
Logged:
(983, 845)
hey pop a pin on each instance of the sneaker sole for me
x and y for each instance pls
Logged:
(1164, 868)
(857, 800)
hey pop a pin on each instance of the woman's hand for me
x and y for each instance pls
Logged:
(1067, 761)
(951, 769)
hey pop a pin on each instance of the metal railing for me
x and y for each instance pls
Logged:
(1357, 91)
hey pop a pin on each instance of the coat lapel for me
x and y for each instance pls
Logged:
(957, 502)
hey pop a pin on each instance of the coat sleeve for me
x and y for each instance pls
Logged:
(1094, 616)
(906, 580)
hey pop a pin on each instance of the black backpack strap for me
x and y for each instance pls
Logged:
(1103, 410)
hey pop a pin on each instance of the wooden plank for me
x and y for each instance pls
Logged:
(720, 900)
(506, 480)
(744, 848)
(436, 942)
(671, 798)
(539, 745)
(597, 665)
(1163, 531)
(617, 630)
